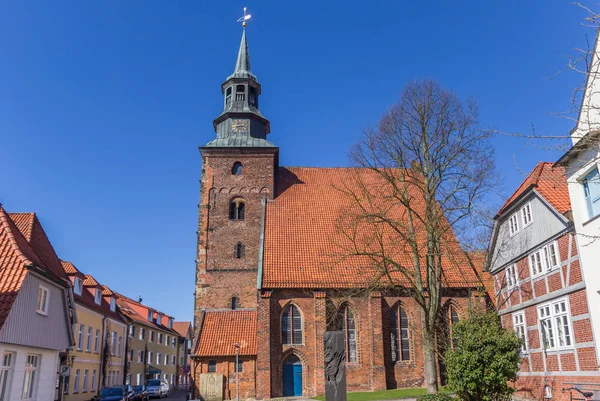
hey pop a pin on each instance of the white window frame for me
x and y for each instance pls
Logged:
(120, 349)
(131, 333)
(80, 336)
(78, 286)
(86, 374)
(170, 323)
(512, 276)
(158, 355)
(166, 360)
(174, 360)
(98, 297)
(526, 212)
(159, 318)
(31, 376)
(520, 327)
(88, 343)
(160, 338)
(142, 333)
(542, 258)
(93, 384)
(43, 300)
(97, 341)
(589, 202)
(552, 312)
(513, 225)
(6, 373)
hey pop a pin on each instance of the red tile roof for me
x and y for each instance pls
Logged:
(139, 312)
(551, 183)
(304, 249)
(17, 254)
(90, 281)
(182, 328)
(222, 329)
(31, 228)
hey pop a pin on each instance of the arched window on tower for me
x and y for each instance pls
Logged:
(253, 99)
(237, 209)
(291, 325)
(239, 250)
(237, 168)
(228, 96)
(240, 92)
(400, 341)
(346, 318)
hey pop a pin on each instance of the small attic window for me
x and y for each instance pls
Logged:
(149, 315)
(237, 168)
(113, 305)
(98, 297)
(170, 323)
(159, 319)
(78, 286)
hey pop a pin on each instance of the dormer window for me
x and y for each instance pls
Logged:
(240, 93)
(228, 96)
(239, 250)
(237, 209)
(98, 297)
(170, 323)
(237, 168)
(78, 286)
(113, 305)
(149, 315)
(159, 319)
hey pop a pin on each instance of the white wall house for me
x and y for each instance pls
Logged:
(582, 163)
(36, 312)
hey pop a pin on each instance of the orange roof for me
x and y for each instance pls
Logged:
(139, 312)
(90, 281)
(182, 328)
(221, 330)
(487, 280)
(17, 254)
(551, 183)
(303, 246)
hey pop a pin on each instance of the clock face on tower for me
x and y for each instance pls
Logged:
(239, 126)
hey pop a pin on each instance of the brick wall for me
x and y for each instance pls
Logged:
(226, 366)
(219, 274)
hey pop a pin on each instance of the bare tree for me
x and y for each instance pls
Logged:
(433, 166)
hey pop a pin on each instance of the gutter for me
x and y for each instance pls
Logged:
(261, 250)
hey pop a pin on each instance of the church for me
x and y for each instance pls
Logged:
(269, 282)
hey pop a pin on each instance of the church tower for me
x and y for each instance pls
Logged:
(238, 175)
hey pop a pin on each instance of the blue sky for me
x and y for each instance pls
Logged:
(103, 105)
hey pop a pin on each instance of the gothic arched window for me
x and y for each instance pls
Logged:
(239, 250)
(237, 168)
(291, 325)
(346, 317)
(400, 340)
(237, 209)
(452, 320)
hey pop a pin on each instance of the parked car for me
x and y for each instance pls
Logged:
(140, 393)
(157, 388)
(117, 393)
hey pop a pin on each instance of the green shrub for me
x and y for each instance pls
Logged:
(485, 359)
(435, 397)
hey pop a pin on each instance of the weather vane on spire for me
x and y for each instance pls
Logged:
(245, 18)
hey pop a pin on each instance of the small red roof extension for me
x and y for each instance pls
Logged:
(551, 183)
(221, 330)
(182, 328)
(301, 238)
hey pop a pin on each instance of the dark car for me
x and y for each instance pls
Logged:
(140, 393)
(117, 393)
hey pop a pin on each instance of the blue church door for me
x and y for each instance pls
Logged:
(292, 377)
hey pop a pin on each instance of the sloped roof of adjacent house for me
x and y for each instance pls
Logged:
(182, 328)
(550, 182)
(87, 297)
(222, 329)
(303, 243)
(20, 252)
(139, 313)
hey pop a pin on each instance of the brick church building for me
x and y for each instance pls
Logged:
(268, 280)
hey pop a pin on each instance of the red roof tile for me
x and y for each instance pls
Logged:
(222, 329)
(303, 247)
(551, 183)
(182, 328)
(31, 228)
(90, 281)
(139, 312)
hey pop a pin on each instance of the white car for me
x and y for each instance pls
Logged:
(157, 388)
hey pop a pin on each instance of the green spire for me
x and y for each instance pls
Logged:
(242, 65)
